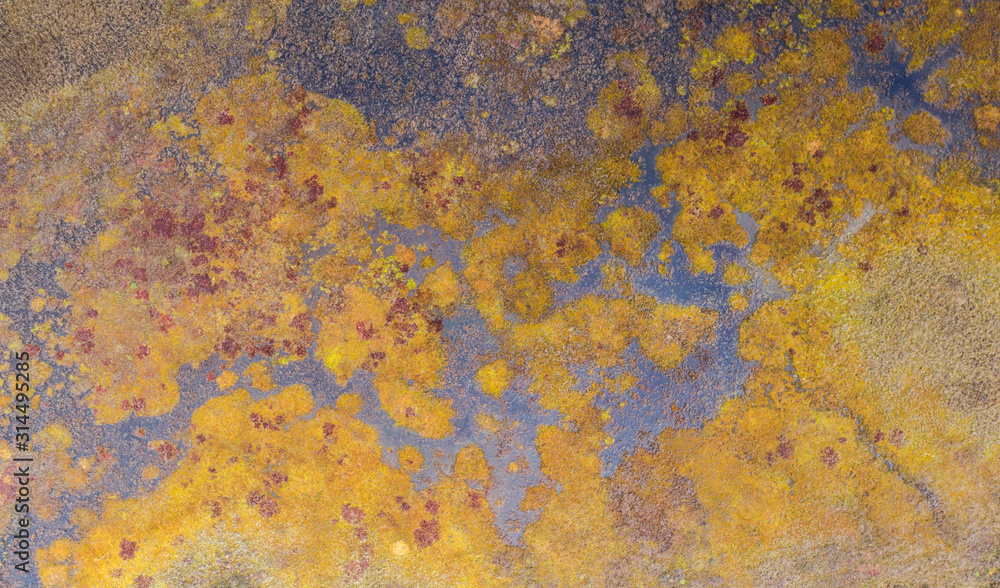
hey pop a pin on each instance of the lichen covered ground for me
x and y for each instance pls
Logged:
(466, 293)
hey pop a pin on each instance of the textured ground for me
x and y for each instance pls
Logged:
(464, 293)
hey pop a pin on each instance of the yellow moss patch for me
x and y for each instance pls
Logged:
(494, 378)
(410, 459)
(226, 379)
(441, 286)
(923, 128)
(416, 38)
(736, 44)
(260, 376)
(987, 118)
(738, 302)
(349, 404)
(736, 275)
(629, 231)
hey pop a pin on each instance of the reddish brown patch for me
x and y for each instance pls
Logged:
(225, 118)
(352, 514)
(431, 507)
(163, 224)
(407, 330)
(736, 138)
(821, 200)
(302, 321)
(399, 306)
(260, 422)
(142, 582)
(266, 505)
(365, 330)
(427, 533)
(474, 500)
(126, 550)
(315, 190)
(628, 108)
(561, 247)
(879, 435)
(230, 347)
(897, 437)
(795, 184)
(785, 449)
(718, 74)
(167, 451)
(713, 132)
(741, 113)
(202, 283)
(194, 227)
(435, 325)
(373, 360)
(829, 456)
(769, 99)
(280, 165)
(876, 43)
(123, 263)
(353, 570)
